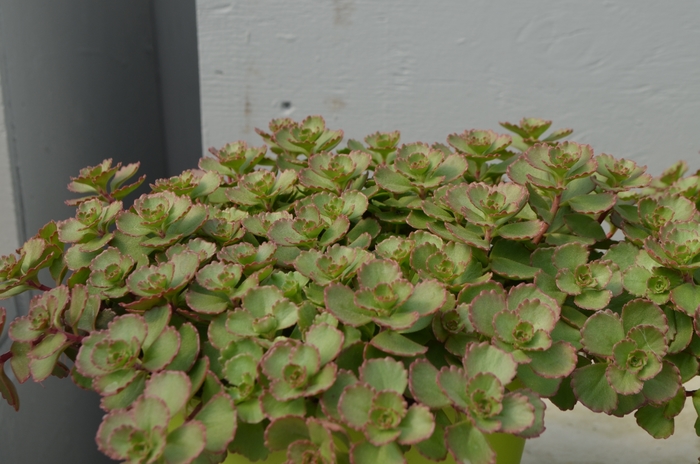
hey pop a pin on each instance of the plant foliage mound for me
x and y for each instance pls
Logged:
(347, 305)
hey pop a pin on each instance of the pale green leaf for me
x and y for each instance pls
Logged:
(396, 344)
(185, 443)
(384, 374)
(423, 384)
(601, 332)
(219, 419)
(591, 387)
(173, 387)
(467, 444)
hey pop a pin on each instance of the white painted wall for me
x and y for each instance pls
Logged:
(624, 74)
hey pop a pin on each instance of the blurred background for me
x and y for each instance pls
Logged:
(160, 81)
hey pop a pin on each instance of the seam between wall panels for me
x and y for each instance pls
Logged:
(159, 87)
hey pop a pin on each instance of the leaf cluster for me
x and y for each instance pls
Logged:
(351, 304)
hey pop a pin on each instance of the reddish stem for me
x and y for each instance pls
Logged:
(194, 411)
(72, 337)
(6, 356)
(38, 286)
(553, 210)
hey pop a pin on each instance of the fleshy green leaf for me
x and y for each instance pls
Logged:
(7, 389)
(340, 302)
(173, 387)
(593, 203)
(424, 386)
(328, 340)
(219, 419)
(185, 443)
(591, 387)
(163, 350)
(558, 361)
(384, 374)
(489, 359)
(686, 297)
(417, 425)
(601, 332)
(367, 453)
(284, 431)
(466, 443)
(521, 230)
(517, 415)
(392, 180)
(664, 386)
(397, 344)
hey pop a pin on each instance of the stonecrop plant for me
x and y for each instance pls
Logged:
(347, 305)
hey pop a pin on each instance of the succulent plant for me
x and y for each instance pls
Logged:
(362, 304)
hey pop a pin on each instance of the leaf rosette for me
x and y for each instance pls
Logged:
(523, 323)
(161, 219)
(19, 273)
(259, 190)
(477, 389)
(264, 311)
(240, 371)
(224, 225)
(386, 298)
(382, 146)
(295, 370)
(529, 130)
(479, 144)
(631, 348)
(418, 167)
(451, 263)
(335, 172)
(655, 284)
(233, 159)
(145, 433)
(194, 183)
(250, 258)
(307, 137)
(313, 441)
(161, 283)
(109, 271)
(260, 223)
(487, 205)
(375, 406)
(308, 228)
(40, 337)
(619, 175)
(677, 246)
(90, 227)
(553, 167)
(122, 354)
(592, 284)
(337, 264)
(350, 204)
(104, 182)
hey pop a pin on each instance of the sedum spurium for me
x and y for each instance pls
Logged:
(348, 306)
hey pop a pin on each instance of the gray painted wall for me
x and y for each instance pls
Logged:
(624, 74)
(80, 83)
(178, 71)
